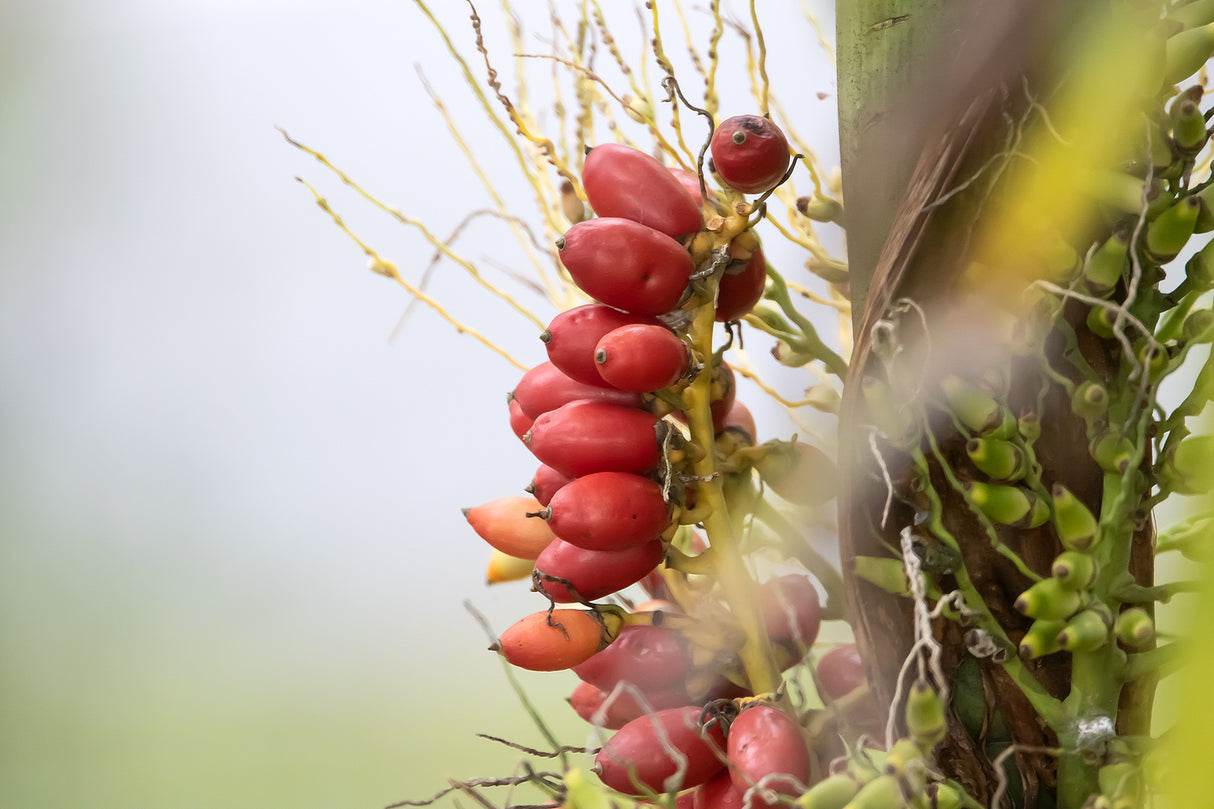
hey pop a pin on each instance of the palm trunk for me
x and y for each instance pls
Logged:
(929, 95)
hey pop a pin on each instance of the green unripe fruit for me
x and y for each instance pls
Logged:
(866, 764)
(883, 792)
(1112, 451)
(832, 792)
(1105, 266)
(1059, 260)
(1119, 779)
(925, 716)
(1086, 632)
(1189, 126)
(1029, 427)
(1192, 15)
(1163, 153)
(1120, 192)
(1167, 235)
(1009, 505)
(1189, 469)
(1041, 639)
(886, 573)
(1090, 400)
(820, 209)
(972, 406)
(1134, 627)
(1077, 526)
(1152, 359)
(904, 758)
(1192, 539)
(1049, 600)
(944, 796)
(1001, 460)
(788, 356)
(894, 422)
(1101, 320)
(1198, 327)
(1075, 570)
(1205, 213)
(1200, 268)
(1186, 52)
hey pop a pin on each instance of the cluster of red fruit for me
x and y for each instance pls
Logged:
(614, 486)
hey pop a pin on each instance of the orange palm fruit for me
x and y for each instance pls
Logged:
(556, 640)
(504, 524)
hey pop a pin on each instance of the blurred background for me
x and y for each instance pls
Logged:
(232, 561)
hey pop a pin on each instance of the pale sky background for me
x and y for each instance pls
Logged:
(232, 559)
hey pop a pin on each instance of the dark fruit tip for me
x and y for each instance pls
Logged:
(465, 512)
(496, 646)
(545, 336)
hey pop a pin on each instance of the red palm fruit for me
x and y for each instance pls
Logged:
(621, 708)
(503, 567)
(626, 264)
(641, 358)
(791, 612)
(651, 658)
(685, 799)
(546, 388)
(719, 792)
(800, 473)
(592, 574)
(572, 335)
(739, 291)
(555, 641)
(504, 524)
(767, 746)
(840, 671)
(605, 511)
(546, 482)
(740, 417)
(655, 585)
(520, 422)
(750, 153)
(584, 437)
(625, 182)
(637, 760)
(691, 183)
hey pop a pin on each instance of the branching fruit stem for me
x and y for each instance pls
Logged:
(724, 533)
